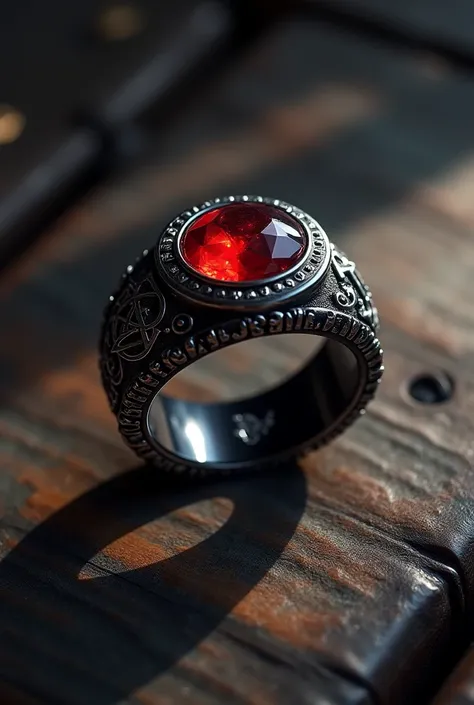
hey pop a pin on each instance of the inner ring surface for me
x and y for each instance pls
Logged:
(248, 430)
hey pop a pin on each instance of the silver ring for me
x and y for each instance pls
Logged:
(229, 270)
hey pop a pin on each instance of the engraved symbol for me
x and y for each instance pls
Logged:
(133, 327)
(345, 272)
(353, 291)
(182, 323)
(250, 428)
(347, 297)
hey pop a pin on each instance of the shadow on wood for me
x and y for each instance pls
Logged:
(96, 640)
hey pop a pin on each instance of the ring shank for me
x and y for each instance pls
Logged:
(287, 416)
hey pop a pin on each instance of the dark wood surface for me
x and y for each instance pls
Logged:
(346, 580)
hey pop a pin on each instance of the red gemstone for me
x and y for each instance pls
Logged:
(243, 242)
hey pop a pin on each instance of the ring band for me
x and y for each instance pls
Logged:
(229, 270)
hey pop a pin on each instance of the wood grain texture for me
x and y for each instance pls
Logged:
(459, 689)
(346, 580)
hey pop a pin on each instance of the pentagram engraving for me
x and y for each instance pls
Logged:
(353, 291)
(133, 325)
(130, 330)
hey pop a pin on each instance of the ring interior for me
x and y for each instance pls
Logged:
(289, 415)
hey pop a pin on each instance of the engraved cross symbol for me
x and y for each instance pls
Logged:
(353, 291)
(344, 267)
(345, 272)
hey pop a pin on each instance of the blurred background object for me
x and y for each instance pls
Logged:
(86, 86)
(76, 77)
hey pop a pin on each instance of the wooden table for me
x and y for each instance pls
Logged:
(346, 580)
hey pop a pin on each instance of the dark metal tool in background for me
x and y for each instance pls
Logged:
(77, 76)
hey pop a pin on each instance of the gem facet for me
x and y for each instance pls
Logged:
(241, 242)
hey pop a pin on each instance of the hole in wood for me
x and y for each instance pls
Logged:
(432, 388)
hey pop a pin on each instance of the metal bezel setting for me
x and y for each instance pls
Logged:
(186, 281)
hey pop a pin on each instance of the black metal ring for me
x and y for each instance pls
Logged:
(166, 315)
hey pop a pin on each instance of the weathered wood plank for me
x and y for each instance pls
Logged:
(149, 598)
(349, 580)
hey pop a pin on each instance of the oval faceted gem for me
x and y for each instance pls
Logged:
(243, 242)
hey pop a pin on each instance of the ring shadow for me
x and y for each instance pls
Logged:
(95, 641)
